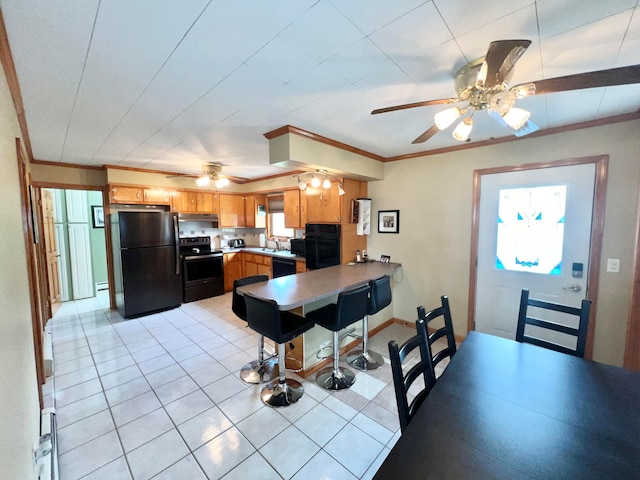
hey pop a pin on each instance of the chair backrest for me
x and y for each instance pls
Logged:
(447, 330)
(237, 301)
(423, 366)
(263, 316)
(380, 295)
(580, 332)
(352, 306)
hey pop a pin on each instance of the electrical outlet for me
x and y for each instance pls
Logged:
(613, 265)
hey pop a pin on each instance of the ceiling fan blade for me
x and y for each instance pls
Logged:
(426, 135)
(426, 103)
(500, 59)
(599, 78)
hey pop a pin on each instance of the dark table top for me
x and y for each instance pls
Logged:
(509, 410)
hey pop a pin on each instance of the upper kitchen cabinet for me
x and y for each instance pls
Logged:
(323, 205)
(132, 195)
(260, 210)
(295, 212)
(241, 210)
(207, 202)
(232, 211)
(186, 201)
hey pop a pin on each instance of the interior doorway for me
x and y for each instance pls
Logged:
(77, 241)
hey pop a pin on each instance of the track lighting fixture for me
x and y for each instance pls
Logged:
(316, 182)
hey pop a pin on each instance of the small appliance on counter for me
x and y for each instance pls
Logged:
(297, 246)
(236, 243)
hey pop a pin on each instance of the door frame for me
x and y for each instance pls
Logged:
(597, 228)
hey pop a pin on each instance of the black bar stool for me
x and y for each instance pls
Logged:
(352, 306)
(259, 370)
(264, 317)
(379, 298)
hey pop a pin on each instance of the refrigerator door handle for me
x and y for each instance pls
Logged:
(176, 232)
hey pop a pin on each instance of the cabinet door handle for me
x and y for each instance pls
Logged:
(137, 194)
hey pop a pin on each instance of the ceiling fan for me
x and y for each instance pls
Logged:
(483, 84)
(210, 172)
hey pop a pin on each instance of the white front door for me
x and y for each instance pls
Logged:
(534, 232)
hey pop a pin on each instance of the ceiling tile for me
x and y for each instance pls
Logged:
(463, 16)
(369, 19)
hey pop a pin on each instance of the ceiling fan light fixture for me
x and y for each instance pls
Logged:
(326, 183)
(516, 118)
(315, 182)
(203, 180)
(446, 117)
(221, 182)
(462, 131)
(341, 190)
(525, 90)
(301, 184)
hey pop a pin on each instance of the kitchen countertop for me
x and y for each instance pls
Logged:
(303, 288)
(264, 251)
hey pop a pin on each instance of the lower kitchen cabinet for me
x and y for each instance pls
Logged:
(255, 264)
(232, 269)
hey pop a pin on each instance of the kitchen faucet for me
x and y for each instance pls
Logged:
(277, 244)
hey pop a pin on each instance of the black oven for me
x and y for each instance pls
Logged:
(322, 245)
(202, 269)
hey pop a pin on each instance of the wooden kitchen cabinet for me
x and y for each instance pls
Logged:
(301, 266)
(183, 201)
(207, 202)
(130, 194)
(249, 210)
(295, 212)
(233, 269)
(323, 205)
(256, 264)
(232, 210)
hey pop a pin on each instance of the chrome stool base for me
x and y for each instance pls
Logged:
(365, 361)
(277, 394)
(255, 373)
(335, 379)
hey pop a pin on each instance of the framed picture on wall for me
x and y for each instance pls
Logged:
(97, 214)
(389, 221)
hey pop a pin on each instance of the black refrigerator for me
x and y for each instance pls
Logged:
(146, 258)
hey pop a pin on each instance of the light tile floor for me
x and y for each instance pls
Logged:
(160, 397)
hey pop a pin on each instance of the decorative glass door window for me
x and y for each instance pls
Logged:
(531, 229)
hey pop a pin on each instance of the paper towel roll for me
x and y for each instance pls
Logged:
(263, 240)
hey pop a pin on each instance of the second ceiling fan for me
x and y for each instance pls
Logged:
(483, 84)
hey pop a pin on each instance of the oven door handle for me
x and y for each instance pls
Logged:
(203, 257)
(175, 235)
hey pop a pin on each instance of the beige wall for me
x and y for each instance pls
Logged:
(434, 196)
(19, 408)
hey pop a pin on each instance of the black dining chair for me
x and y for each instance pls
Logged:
(265, 318)
(265, 368)
(446, 330)
(417, 353)
(555, 322)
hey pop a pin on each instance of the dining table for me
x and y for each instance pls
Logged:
(509, 410)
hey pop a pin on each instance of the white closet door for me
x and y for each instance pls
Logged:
(77, 209)
(64, 281)
(80, 253)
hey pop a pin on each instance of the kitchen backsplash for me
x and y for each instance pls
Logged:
(219, 236)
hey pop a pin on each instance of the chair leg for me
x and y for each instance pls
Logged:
(283, 391)
(362, 358)
(261, 370)
(335, 377)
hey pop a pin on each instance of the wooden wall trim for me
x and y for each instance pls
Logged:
(597, 231)
(14, 86)
(632, 346)
(67, 165)
(319, 138)
(625, 117)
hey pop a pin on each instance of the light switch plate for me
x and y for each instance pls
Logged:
(613, 265)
